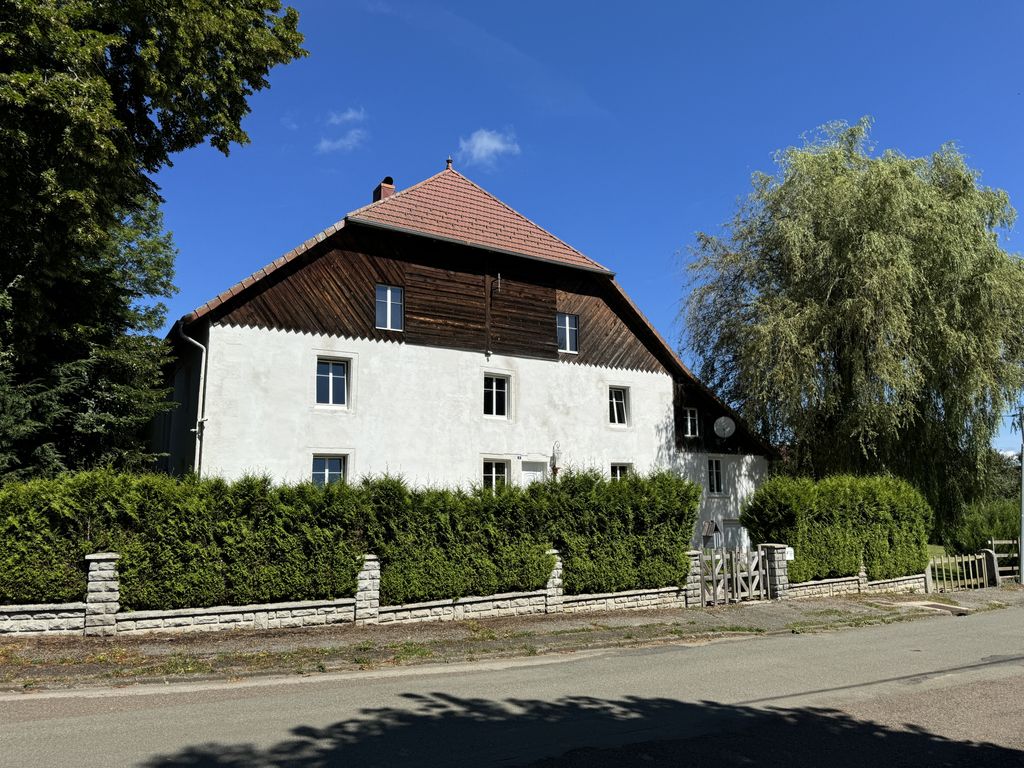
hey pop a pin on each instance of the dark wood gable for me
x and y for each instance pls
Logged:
(455, 296)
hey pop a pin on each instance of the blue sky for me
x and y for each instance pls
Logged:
(622, 128)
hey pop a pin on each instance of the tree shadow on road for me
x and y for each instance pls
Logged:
(438, 729)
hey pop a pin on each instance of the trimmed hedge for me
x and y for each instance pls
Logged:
(190, 543)
(984, 520)
(838, 522)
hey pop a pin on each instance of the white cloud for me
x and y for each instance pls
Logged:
(289, 122)
(483, 147)
(351, 139)
(350, 115)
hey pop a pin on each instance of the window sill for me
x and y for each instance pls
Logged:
(568, 352)
(488, 417)
(326, 408)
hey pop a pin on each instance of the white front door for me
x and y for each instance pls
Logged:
(534, 471)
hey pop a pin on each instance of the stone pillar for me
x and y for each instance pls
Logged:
(103, 594)
(862, 578)
(553, 592)
(777, 569)
(991, 565)
(368, 591)
(693, 581)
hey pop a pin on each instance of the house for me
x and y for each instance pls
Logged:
(438, 334)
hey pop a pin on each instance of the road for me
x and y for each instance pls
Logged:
(942, 691)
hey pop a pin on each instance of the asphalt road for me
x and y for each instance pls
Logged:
(936, 692)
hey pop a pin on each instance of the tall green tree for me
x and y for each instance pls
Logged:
(860, 311)
(95, 97)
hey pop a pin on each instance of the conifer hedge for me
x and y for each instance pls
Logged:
(837, 522)
(190, 543)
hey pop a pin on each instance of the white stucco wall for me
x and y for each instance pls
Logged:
(417, 411)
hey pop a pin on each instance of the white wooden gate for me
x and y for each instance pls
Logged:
(728, 576)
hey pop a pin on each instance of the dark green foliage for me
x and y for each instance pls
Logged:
(182, 543)
(984, 520)
(837, 523)
(626, 534)
(189, 543)
(95, 98)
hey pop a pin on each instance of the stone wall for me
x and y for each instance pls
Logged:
(665, 597)
(509, 604)
(100, 614)
(858, 585)
(306, 613)
(38, 619)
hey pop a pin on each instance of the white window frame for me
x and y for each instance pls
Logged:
(562, 320)
(613, 412)
(493, 475)
(390, 303)
(345, 462)
(332, 360)
(620, 469)
(716, 477)
(507, 416)
(691, 422)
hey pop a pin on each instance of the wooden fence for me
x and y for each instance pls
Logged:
(1008, 556)
(728, 576)
(953, 573)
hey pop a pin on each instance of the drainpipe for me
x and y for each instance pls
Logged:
(201, 403)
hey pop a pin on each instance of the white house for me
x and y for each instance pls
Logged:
(440, 335)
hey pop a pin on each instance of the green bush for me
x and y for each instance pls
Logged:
(984, 520)
(839, 522)
(191, 543)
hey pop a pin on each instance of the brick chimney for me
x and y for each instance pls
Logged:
(384, 190)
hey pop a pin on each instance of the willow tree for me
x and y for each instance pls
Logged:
(860, 311)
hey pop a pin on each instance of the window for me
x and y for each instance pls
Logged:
(329, 469)
(390, 308)
(568, 332)
(496, 395)
(690, 428)
(331, 382)
(619, 471)
(715, 476)
(617, 405)
(495, 474)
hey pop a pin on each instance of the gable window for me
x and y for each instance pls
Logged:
(390, 308)
(331, 382)
(690, 428)
(568, 332)
(496, 395)
(618, 405)
(329, 469)
(495, 474)
(715, 476)
(619, 471)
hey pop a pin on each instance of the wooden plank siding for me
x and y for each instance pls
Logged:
(605, 339)
(523, 319)
(455, 296)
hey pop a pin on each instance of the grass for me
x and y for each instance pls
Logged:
(408, 650)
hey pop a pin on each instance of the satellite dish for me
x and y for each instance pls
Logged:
(724, 426)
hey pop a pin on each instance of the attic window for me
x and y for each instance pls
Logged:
(390, 308)
(690, 423)
(568, 333)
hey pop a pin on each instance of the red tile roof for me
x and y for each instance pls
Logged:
(450, 207)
